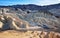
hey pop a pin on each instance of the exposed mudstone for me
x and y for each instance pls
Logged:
(8, 22)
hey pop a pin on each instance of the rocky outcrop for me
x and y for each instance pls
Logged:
(9, 22)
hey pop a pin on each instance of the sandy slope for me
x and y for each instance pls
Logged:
(28, 34)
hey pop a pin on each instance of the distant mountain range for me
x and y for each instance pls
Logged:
(55, 9)
(35, 7)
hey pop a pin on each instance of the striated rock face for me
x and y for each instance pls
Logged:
(9, 22)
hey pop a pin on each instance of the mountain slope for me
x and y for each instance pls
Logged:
(42, 20)
(54, 9)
